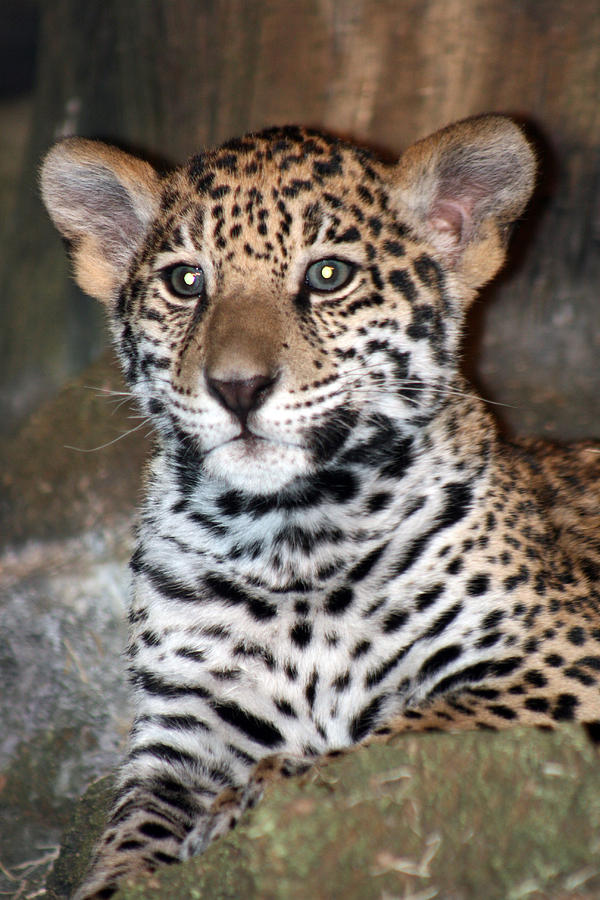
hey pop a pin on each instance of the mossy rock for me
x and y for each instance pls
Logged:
(455, 817)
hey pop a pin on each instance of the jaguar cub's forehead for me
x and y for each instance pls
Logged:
(277, 154)
(264, 196)
(280, 168)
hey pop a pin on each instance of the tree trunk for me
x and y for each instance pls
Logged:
(170, 76)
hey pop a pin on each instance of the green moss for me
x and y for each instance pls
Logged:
(78, 840)
(472, 816)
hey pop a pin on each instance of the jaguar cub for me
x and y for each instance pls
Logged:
(335, 544)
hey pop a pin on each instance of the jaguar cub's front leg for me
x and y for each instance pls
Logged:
(173, 815)
(231, 804)
(224, 815)
(166, 817)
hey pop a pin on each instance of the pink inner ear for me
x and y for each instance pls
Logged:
(450, 221)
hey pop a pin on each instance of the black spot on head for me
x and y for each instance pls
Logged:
(400, 458)
(341, 682)
(591, 570)
(375, 226)
(401, 281)
(469, 675)
(156, 407)
(204, 183)
(591, 662)
(296, 186)
(216, 194)
(488, 640)
(332, 200)
(327, 439)
(579, 675)
(228, 162)
(338, 485)
(232, 593)
(395, 248)
(365, 194)
(505, 667)
(130, 351)
(351, 235)
(291, 671)
(286, 709)
(328, 167)
(429, 272)
(513, 581)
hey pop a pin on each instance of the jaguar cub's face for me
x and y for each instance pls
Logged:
(279, 301)
(279, 296)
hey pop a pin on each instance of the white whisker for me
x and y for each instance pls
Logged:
(120, 437)
(415, 385)
(108, 392)
(116, 398)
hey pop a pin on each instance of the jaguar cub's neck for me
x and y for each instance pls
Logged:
(391, 491)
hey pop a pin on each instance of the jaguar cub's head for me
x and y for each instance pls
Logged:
(286, 299)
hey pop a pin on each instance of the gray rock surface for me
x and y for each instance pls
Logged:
(64, 704)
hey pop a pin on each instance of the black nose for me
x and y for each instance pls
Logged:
(240, 396)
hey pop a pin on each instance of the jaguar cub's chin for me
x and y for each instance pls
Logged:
(257, 465)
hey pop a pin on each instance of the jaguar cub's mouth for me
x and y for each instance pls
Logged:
(250, 438)
(255, 442)
(255, 462)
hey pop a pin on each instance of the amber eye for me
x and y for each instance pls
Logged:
(185, 281)
(329, 275)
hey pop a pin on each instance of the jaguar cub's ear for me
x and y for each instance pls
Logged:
(462, 187)
(103, 201)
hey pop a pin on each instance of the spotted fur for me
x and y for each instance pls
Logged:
(336, 544)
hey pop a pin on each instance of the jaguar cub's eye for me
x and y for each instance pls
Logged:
(329, 275)
(185, 281)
